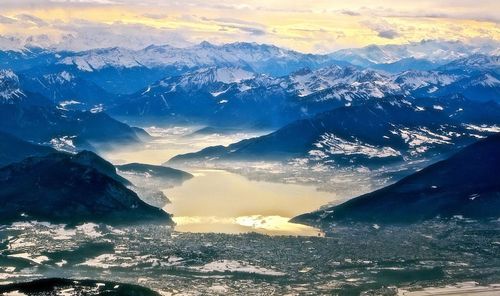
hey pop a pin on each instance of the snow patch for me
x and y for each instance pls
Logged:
(236, 266)
(329, 144)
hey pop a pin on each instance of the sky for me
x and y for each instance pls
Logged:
(316, 26)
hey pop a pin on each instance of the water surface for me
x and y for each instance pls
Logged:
(220, 201)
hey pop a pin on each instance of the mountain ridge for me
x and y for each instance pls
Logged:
(464, 185)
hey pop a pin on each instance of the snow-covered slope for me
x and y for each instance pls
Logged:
(217, 92)
(429, 81)
(342, 83)
(67, 89)
(31, 116)
(465, 185)
(474, 63)
(205, 76)
(9, 87)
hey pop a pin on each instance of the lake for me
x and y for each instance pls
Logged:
(219, 201)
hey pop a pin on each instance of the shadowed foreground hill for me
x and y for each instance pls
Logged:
(72, 189)
(466, 184)
(57, 286)
(13, 149)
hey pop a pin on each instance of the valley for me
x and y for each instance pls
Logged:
(221, 201)
(246, 168)
(233, 235)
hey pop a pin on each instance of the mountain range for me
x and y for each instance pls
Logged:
(222, 96)
(374, 133)
(70, 94)
(415, 54)
(33, 117)
(121, 70)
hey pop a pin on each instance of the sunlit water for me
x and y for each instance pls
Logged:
(220, 201)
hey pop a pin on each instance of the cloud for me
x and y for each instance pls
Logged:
(350, 12)
(10, 43)
(252, 28)
(84, 35)
(388, 34)
(475, 12)
(6, 20)
(253, 31)
(87, 1)
(304, 26)
(155, 16)
(383, 28)
(31, 19)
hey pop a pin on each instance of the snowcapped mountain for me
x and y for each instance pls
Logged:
(32, 117)
(342, 83)
(238, 81)
(474, 63)
(436, 51)
(10, 91)
(406, 64)
(377, 132)
(67, 89)
(486, 80)
(230, 93)
(481, 87)
(206, 76)
(251, 56)
(424, 82)
(125, 71)
(215, 93)
(100, 58)
(212, 95)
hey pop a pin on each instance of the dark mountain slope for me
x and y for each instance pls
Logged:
(65, 188)
(154, 171)
(13, 149)
(466, 184)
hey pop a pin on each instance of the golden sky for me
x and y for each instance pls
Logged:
(308, 26)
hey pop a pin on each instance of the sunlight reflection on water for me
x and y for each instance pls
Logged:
(220, 201)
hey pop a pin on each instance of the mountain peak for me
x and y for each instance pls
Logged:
(206, 44)
(208, 75)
